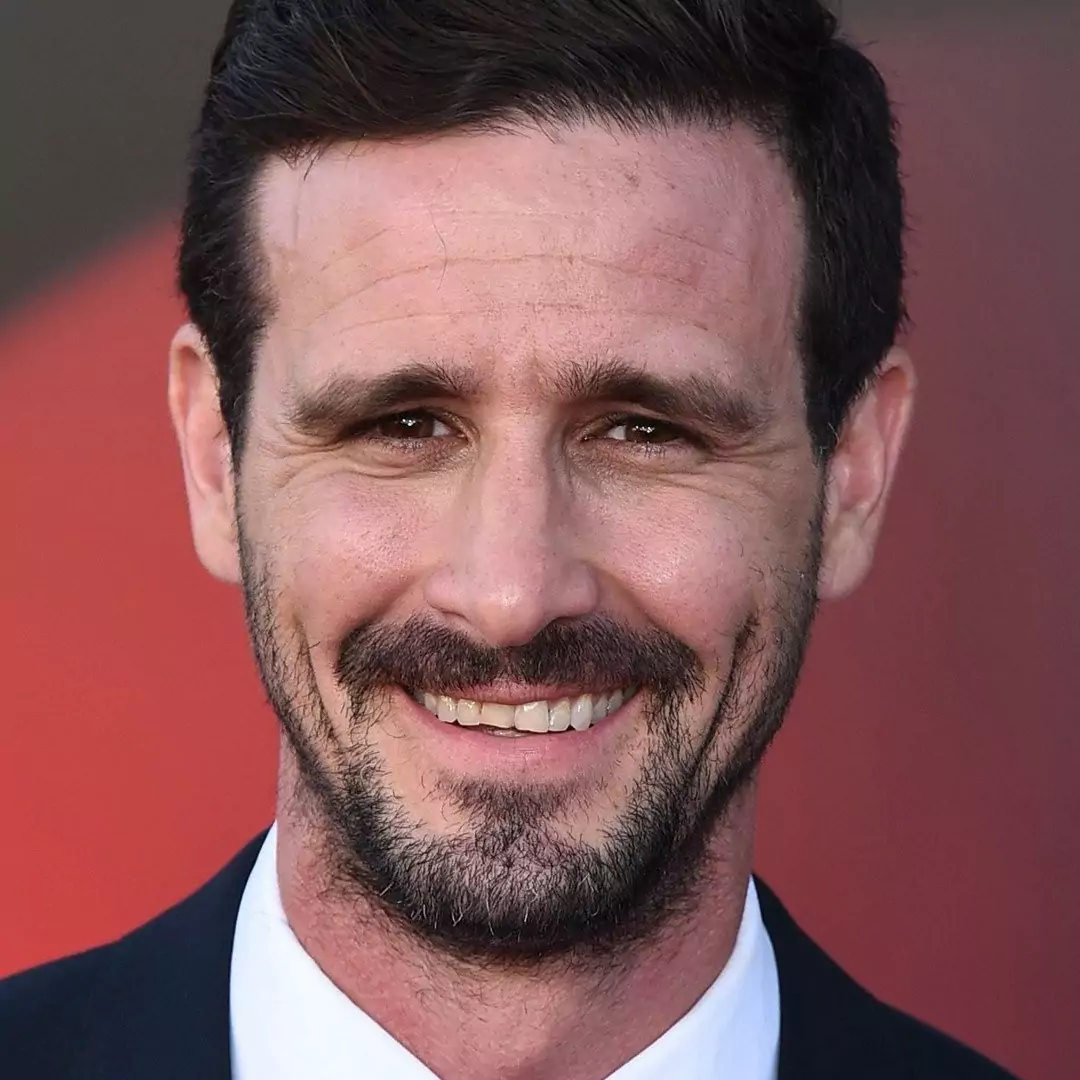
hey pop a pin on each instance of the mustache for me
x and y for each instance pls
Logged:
(420, 653)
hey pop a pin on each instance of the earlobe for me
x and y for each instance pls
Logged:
(205, 453)
(861, 474)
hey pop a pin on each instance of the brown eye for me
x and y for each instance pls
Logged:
(413, 425)
(642, 429)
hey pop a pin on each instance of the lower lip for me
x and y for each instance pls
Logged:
(475, 749)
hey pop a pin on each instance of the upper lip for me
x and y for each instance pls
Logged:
(503, 694)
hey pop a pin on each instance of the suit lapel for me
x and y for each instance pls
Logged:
(162, 1010)
(829, 1026)
(166, 994)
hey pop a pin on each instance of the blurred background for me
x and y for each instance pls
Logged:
(920, 808)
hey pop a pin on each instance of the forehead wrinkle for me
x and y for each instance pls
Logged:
(293, 212)
(687, 279)
(354, 249)
(400, 186)
(742, 205)
(443, 313)
(638, 261)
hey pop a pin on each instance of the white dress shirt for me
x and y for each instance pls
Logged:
(290, 1022)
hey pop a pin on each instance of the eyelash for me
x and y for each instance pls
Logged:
(367, 428)
(679, 434)
(604, 423)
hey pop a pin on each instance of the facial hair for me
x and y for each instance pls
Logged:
(510, 887)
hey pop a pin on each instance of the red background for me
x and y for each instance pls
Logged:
(920, 808)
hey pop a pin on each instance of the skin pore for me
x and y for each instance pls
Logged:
(515, 385)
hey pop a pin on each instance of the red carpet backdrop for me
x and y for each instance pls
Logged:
(921, 807)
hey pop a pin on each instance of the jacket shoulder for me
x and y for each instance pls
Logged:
(152, 1004)
(832, 1027)
(929, 1054)
(43, 1011)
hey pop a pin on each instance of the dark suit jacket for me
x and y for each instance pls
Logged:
(155, 1006)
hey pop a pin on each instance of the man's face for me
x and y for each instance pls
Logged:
(527, 437)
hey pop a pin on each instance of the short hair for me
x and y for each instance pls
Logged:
(291, 76)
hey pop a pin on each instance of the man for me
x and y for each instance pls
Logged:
(541, 377)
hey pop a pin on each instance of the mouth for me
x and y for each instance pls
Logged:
(541, 716)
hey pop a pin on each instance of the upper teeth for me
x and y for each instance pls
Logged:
(534, 716)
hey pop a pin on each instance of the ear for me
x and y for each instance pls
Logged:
(205, 452)
(861, 472)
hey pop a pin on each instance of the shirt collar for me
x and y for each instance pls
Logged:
(287, 1019)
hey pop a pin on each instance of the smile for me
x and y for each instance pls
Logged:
(533, 717)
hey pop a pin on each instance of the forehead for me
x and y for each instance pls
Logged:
(527, 244)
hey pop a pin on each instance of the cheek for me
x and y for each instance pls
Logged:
(345, 551)
(698, 565)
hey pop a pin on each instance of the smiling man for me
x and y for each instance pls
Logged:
(541, 378)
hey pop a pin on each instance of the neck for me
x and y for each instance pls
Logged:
(564, 1020)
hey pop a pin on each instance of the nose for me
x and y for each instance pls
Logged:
(509, 566)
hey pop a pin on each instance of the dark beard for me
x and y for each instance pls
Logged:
(512, 889)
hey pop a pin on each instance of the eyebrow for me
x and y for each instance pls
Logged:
(344, 398)
(703, 401)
